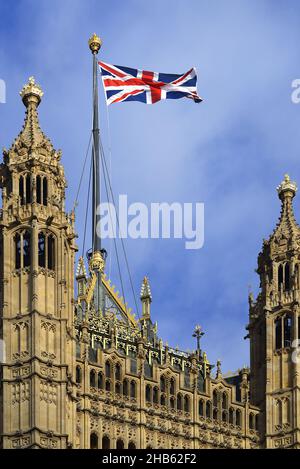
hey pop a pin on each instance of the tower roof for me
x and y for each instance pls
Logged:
(145, 290)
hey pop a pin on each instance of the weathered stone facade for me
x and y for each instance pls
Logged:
(73, 377)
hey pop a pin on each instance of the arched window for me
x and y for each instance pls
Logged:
(107, 385)
(179, 402)
(131, 445)
(187, 381)
(208, 409)
(132, 389)
(100, 380)
(45, 191)
(231, 415)
(201, 408)
(215, 398)
(78, 374)
(118, 388)
(41, 250)
(251, 421)
(92, 379)
(172, 386)
(26, 249)
(224, 400)
(256, 421)
(28, 189)
(287, 325)
(21, 190)
(162, 399)
(155, 395)
(148, 393)
(118, 372)
(280, 276)
(172, 402)
(162, 384)
(278, 333)
(224, 416)
(51, 252)
(215, 414)
(287, 276)
(18, 251)
(105, 442)
(186, 403)
(38, 189)
(238, 418)
(94, 441)
(125, 387)
(120, 444)
(107, 369)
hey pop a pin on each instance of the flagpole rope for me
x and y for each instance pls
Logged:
(120, 234)
(82, 173)
(87, 209)
(110, 176)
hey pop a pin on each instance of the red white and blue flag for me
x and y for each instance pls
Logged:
(129, 84)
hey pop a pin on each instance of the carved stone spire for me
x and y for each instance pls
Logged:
(287, 225)
(146, 298)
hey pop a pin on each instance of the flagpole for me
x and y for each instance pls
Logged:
(97, 261)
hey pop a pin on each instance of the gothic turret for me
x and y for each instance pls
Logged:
(274, 328)
(36, 262)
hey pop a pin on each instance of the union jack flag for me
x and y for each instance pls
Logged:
(130, 84)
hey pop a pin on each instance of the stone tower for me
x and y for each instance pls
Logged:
(38, 399)
(274, 330)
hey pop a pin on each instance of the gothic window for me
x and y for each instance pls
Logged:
(251, 421)
(224, 401)
(118, 372)
(26, 249)
(172, 402)
(208, 409)
(224, 416)
(28, 189)
(187, 377)
(92, 379)
(179, 402)
(287, 276)
(172, 386)
(238, 418)
(201, 408)
(186, 403)
(133, 366)
(107, 385)
(231, 415)
(105, 442)
(45, 191)
(78, 374)
(200, 382)
(148, 370)
(94, 441)
(215, 398)
(280, 276)
(278, 333)
(148, 393)
(215, 414)
(100, 380)
(125, 387)
(22, 249)
(18, 251)
(162, 399)
(287, 323)
(51, 252)
(131, 445)
(107, 369)
(120, 444)
(162, 384)
(118, 388)
(155, 395)
(38, 189)
(132, 389)
(41, 250)
(21, 190)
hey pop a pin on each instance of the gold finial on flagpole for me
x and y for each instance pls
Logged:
(95, 43)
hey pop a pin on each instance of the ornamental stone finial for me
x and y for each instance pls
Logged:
(287, 188)
(31, 93)
(95, 43)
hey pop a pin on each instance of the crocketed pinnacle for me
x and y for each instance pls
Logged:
(287, 224)
(31, 136)
(145, 290)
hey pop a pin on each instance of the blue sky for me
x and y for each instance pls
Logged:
(230, 152)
